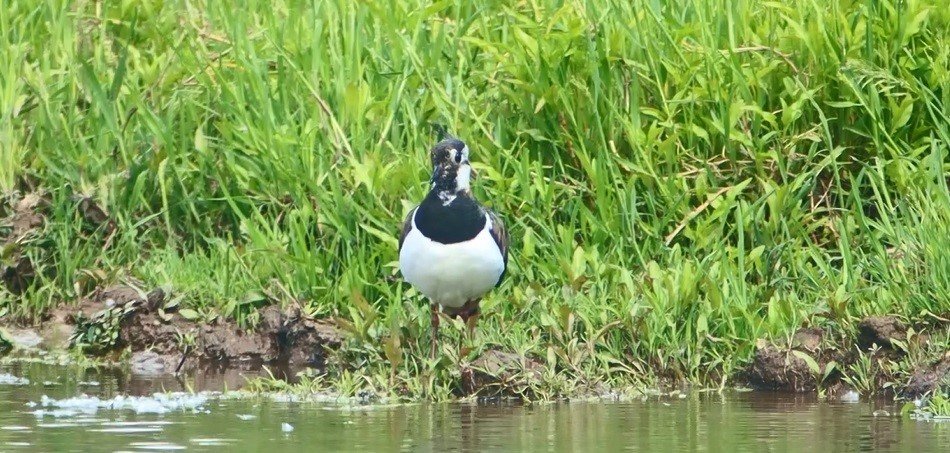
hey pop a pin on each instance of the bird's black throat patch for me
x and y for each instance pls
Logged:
(458, 221)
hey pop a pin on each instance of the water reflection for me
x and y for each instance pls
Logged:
(700, 422)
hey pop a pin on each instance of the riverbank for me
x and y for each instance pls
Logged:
(147, 333)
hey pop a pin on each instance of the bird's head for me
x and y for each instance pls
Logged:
(451, 170)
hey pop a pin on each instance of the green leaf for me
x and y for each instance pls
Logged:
(381, 235)
(908, 408)
(829, 368)
(5, 343)
(902, 113)
(253, 297)
(812, 364)
(201, 143)
(188, 314)
(393, 352)
(756, 253)
(172, 303)
(842, 104)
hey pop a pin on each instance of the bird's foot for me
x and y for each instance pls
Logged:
(434, 326)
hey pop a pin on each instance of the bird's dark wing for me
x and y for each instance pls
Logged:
(406, 227)
(500, 235)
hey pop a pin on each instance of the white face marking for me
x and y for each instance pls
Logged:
(446, 197)
(463, 177)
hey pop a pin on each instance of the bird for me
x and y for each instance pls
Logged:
(452, 249)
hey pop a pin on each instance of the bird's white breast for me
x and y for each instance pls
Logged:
(451, 274)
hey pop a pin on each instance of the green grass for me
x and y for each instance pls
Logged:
(935, 407)
(679, 178)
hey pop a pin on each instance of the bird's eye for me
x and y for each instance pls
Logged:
(458, 157)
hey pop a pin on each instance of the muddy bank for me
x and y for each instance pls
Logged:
(497, 373)
(885, 357)
(23, 217)
(162, 340)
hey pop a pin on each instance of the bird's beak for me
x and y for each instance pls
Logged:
(474, 173)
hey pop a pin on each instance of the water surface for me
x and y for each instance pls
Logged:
(703, 422)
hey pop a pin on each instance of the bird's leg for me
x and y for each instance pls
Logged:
(471, 322)
(470, 314)
(434, 324)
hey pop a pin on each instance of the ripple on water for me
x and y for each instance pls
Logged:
(211, 442)
(58, 425)
(121, 423)
(156, 446)
(58, 413)
(129, 430)
(132, 427)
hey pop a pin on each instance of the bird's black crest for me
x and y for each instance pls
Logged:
(441, 131)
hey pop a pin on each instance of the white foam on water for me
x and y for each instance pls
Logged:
(158, 403)
(9, 379)
(15, 428)
(246, 416)
(160, 446)
(284, 398)
(286, 427)
(851, 397)
(129, 429)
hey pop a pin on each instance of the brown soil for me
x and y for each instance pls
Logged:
(928, 378)
(497, 373)
(880, 330)
(781, 367)
(164, 341)
(24, 217)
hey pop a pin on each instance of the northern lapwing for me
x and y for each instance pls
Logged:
(452, 249)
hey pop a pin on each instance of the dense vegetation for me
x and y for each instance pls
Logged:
(680, 179)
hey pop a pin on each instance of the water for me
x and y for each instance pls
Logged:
(107, 419)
